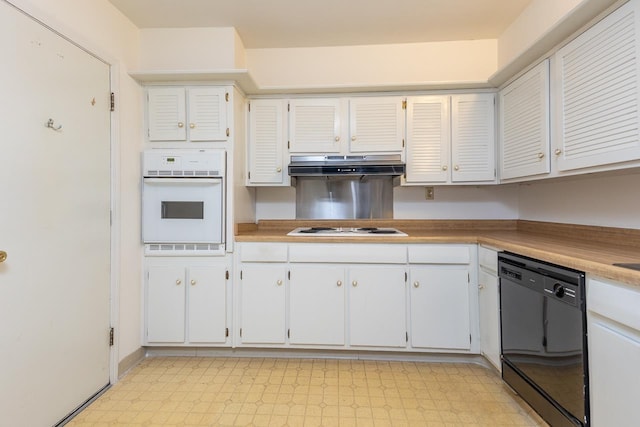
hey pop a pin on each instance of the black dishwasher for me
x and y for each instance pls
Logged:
(544, 342)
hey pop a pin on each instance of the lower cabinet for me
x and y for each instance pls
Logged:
(613, 326)
(489, 305)
(263, 304)
(440, 307)
(186, 303)
(377, 301)
(317, 305)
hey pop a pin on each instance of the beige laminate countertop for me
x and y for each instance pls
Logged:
(590, 249)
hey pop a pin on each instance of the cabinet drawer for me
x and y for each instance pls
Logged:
(617, 302)
(488, 259)
(439, 254)
(349, 253)
(263, 252)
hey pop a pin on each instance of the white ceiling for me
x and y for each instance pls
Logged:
(308, 23)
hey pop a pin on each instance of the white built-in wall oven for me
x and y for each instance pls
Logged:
(183, 202)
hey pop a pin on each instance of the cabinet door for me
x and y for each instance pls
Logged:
(597, 91)
(267, 138)
(428, 139)
(263, 304)
(207, 314)
(316, 301)
(524, 124)
(166, 114)
(614, 374)
(473, 137)
(315, 125)
(207, 114)
(440, 307)
(376, 124)
(166, 304)
(489, 308)
(377, 306)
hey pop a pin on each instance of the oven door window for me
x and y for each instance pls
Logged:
(182, 210)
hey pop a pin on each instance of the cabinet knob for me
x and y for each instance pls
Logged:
(456, 168)
(339, 283)
(192, 125)
(180, 124)
(416, 284)
(354, 283)
(353, 138)
(3, 256)
(279, 170)
(558, 151)
(480, 287)
(178, 282)
(193, 282)
(444, 168)
(279, 282)
(541, 155)
(337, 139)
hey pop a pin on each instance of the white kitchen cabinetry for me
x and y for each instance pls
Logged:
(613, 325)
(596, 90)
(489, 305)
(451, 139)
(376, 124)
(524, 125)
(440, 296)
(186, 303)
(317, 304)
(377, 301)
(263, 304)
(316, 125)
(262, 293)
(195, 114)
(267, 164)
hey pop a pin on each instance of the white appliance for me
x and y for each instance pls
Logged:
(183, 202)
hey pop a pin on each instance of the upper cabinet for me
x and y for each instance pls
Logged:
(193, 114)
(596, 92)
(451, 139)
(376, 124)
(267, 136)
(524, 124)
(315, 125)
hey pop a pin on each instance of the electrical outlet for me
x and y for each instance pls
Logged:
(429, 193)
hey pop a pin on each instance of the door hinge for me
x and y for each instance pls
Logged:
(404, 104)
(288, 107)
(112, 100)
(240, 332)
(111, 333)
(288, 333)
(226, 332)
(405, 277)
(288, 145)
(226, 96)
(226, 275)
(402, 142)
(469, 338)
(468, 278)
(240, 274)
(228, 132)
(406, 336)
(249, 106)
(289, 274)
(249, 175)
(495, 174)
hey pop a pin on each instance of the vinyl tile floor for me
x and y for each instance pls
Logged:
(201, 391)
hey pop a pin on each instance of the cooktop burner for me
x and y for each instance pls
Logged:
(345, 231)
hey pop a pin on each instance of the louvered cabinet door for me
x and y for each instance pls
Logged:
(376, 124)
(597, 93)
(166, 114)
(315, 126)
(524, 124)
(428, 140)
(207, 114)
(473, 137)
(267, 132)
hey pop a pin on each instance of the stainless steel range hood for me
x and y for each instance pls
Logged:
(380, 165)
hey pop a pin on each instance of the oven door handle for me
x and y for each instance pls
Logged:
(184, 181)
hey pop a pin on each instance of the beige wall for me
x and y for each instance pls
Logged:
(374, 65)
(100, 28)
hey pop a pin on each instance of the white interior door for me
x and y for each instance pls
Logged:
(54, 223)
